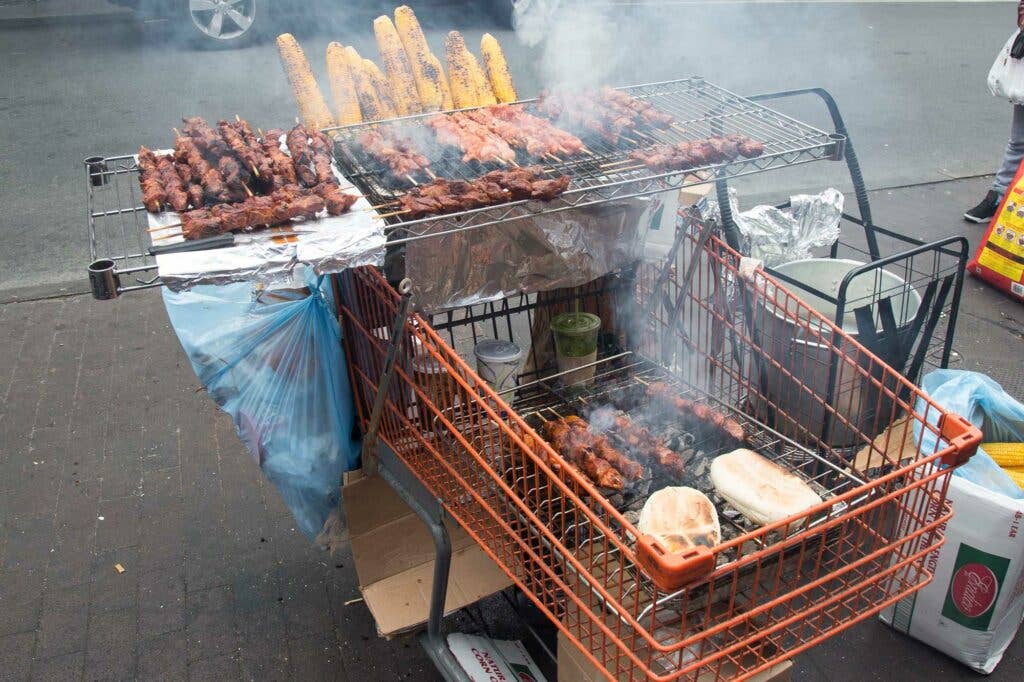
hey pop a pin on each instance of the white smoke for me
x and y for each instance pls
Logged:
(582, 46)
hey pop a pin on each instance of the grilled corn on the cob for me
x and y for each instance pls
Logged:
(313, 109)
(497, 69)
(1005, 454)
(343, 88)
(446, 90)
(460, 71)
(399, 70)
(380, 84)
(366, 92)
(416, 49)
(1016, 476)
(484, 91)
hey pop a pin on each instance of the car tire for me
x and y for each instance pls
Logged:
(224, 24)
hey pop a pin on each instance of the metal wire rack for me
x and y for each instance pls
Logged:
(118, 241)
(700, 110)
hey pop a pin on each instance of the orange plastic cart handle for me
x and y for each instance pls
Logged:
(962, 435)
(671, 571)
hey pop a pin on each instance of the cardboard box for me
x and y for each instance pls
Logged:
(394, 556)
(573, 666)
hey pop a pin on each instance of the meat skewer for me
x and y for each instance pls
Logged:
(297, 142)
(177, 194)
(283, 170)
(537, 136)
(603, 449)
(209, 178)
(396, 153)
(452, 196)
(565, 440)
(643, 443)
(234, 139)
(724, 425)
(154, 196)
(475, 141)
(323, 157)
(283, 205)
(686, 155)
(217, 152)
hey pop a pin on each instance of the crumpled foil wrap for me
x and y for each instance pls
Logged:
(779, 236)
(530, 255)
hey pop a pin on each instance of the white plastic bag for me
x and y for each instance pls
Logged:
(1006, 77)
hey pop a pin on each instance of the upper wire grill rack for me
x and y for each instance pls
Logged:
(699, 108)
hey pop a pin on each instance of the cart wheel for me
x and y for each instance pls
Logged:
(219, 24)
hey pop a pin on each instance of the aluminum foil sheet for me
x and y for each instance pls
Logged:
(536, 254)
(329, 244)
(779, 236)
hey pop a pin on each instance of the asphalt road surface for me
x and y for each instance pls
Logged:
(910, 80)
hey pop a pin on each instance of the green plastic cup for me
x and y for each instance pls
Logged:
(576, 345)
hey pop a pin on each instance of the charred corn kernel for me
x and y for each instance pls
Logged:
(460, 72)
(313, 110)
(1005, 454)
(343, 87)
(497, 69)
(366, 93)
(380, 84)
(484, 92)
(446, 90)
(396, 64)
(427, 77)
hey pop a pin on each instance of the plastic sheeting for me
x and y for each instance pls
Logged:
(985, 404)
(549, 251)
(272, 359)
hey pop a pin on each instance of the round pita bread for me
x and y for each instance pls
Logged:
(680, 519)
(760, 489)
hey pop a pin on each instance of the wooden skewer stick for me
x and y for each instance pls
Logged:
(394, 213)
(503, 162)
(587, 151)
(430, 173)
(163, 227)
(247, 190)
(640, 380)
(238, 119)
(410, 179)
(615, 163)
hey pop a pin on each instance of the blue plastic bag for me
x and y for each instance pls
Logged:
(274, 363)
(985, 404)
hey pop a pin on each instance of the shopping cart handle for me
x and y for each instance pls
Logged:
(671, 571)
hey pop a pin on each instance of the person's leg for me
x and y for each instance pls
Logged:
(1012, 157)
(1014, 153)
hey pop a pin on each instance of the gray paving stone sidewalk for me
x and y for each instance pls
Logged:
(113, 455)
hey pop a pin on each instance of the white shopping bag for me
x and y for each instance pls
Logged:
(1006, 77)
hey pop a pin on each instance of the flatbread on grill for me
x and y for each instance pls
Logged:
(758, 488)
(680, 519)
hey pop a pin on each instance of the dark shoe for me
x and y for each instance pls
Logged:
(983, 212)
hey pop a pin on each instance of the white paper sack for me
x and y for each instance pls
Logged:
(493, 660)
(972, 608)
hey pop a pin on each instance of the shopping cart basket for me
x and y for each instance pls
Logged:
(637, 611)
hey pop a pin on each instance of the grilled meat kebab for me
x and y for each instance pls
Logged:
(724, 426)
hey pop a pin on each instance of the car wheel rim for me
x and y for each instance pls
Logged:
(222, 19)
